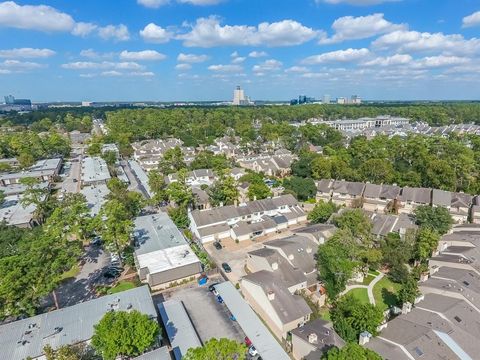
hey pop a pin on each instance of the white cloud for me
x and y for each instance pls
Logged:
(34, 17)
(297, 69)
(154, 4)
(155, 34)
(26, 53)
(361, 27)
(225, 68)
(19, 66)
(440, 61)
(267, 65)
(356, 2)
(348, 55)
(397, 59)
(145, 55)
(116, 32)
(183, 67)
(191, 58)
(471, 20)
(111, 73)
(208, 32)
(257, 54)
(92, 54)
(414, 41)
(83, 29)
(82, 65)
(238, 59)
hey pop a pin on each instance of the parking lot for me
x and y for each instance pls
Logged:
(210, 318)
(235, 254)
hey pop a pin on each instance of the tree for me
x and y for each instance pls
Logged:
(2, 196)
(396, 250)
(172, 161)
(303, 189)
(222, 349)
(223, 191)
(121, 333)
(115, 224)
(179, 216)
(179, 192)
(68, 352)
(303, 166)
(351, 351)
(377, 171)
(426, 242)
(110, 157)
(322, 212)
(433, 217)
(156, 181)
(409, 290)
(350, 317)
(357, 222)
(258, 191)
(35, 195)
(336, 262)
(132, 200)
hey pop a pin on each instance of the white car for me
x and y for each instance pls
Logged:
(215, 292)
(252, 351)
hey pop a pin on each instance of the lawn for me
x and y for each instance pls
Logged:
(368, 279)
(385, 293)
(71, 273)
(121, 286)
(360, 294)
(325, 313)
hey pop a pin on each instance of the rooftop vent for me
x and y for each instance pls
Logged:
(312, 338)
(271, 295)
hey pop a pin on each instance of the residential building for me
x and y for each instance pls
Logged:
(383, 224)
(195, 178)
(94, 171)
(318, 233)
(411, 198)
(475, 210)
(380, 198)
(458, 204)
(141, 177)
(315, 338)
(347, 193)
(42, 170)
(96, 196)
(179, 327)
(267, 346)
(270, 298)
(202, 199)
(162, 254)
(68, 326)
(249, 220)
(276, 165)
(324, 190)
(148, 153)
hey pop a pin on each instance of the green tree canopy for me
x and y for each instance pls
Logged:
(433, 217)
(223, 191)
(121, 333)
(322, 212)
(219, 349)
(351, 351)
(303, 189)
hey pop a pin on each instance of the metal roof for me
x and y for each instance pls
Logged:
(94, 169)
(179, 328)
(266, 345)
(69, 325)
(157, 354)
(141, 176)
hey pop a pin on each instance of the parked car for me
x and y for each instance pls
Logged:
(212, 286)
(226, 267)
(217, 245)
(248, 342)
(219, 299)
(252, 351)
(112, 273)
(215, 292)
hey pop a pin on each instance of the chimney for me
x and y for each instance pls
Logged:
(312, 338)
(271, 295)
(364, 338)
(309, 250)
(275, 266)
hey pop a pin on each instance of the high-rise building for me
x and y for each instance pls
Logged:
(326, 99)
(9, 99)
(239, 97)
(355, 99)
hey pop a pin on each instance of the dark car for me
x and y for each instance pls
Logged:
(217, 245)
(111, 273)
(212, 287)
(226, 267)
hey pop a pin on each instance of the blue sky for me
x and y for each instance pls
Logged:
(164, 50)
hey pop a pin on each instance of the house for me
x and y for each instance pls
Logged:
(94, 171)
(383, 224)
(42, 170)
(162, 254)
(246, 221)
(237, 173)
(460, 207)
(347, 193)
(324, 190)
(380, 198)
(96, 196)
(475, 210)
(269, 296)
(149, 153)
(319, 233)
(411, 198)
(68, 326)
(201, 199)
(315, 338)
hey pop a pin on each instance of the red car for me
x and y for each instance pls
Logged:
(248, 342)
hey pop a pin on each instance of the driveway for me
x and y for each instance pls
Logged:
(210, 319)
(82, 287)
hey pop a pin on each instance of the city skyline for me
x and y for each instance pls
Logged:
(199, 50)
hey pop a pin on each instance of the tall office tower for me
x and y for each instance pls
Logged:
(326, 99)
(9, 99)
(238, 96)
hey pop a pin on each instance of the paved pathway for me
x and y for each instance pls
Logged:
(369, 288)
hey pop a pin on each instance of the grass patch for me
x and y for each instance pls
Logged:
(373, 272)
(368, 279)
(385, 293)
(324, 313)
(71, 273)
(121, 286)
(360, 294)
